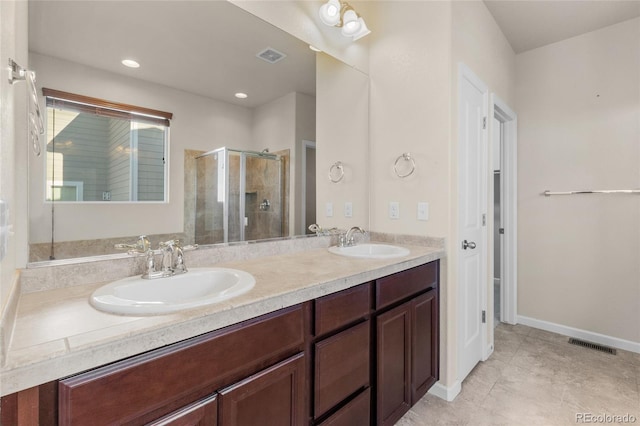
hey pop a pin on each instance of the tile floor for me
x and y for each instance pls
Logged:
(536, 378)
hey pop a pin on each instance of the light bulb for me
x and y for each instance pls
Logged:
(350, 23)
(330, 12)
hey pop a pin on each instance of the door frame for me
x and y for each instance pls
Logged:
(509, 210)
(464, 72)
(303, 184)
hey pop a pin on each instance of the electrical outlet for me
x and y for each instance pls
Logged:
(328, 209)
(423, 211)
(394, 210)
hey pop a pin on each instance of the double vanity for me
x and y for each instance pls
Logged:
(310, 337)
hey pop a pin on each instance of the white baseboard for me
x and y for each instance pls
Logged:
(446, 393)
(590, 336)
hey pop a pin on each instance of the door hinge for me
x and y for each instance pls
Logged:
(484, 317)
(484, 123)
(484, 219)
(501, 230)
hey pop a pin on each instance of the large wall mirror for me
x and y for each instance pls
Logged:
(237, 168)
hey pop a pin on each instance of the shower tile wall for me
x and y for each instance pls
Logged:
(265, 223)
(204, 218)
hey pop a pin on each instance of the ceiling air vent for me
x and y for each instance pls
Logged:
(271, 55)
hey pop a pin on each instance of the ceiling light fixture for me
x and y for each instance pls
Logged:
(241, 95)
(335, 13)
(130, 63)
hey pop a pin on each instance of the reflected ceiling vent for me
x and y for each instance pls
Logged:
(271, 55)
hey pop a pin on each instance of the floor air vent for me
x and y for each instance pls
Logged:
(590, 345)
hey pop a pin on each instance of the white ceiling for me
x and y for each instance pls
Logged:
(528, 24)
(203, 47)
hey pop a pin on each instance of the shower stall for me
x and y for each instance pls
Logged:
(239, 196)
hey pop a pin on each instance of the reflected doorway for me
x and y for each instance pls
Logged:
(308, 211)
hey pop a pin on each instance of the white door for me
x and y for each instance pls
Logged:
(472, 200)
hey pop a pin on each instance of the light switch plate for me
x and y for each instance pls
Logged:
(394, 210)
(348, 209)
(423, 211)
(328, 209)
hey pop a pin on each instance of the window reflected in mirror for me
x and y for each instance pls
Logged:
(99, 151)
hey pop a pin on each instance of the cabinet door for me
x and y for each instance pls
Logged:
(393, 372)
(275, 396)
(424, 347)
(201, 413)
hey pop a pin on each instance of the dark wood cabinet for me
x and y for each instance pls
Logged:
(425, 363)
(275, 396)
(393, 372)
(355, 413)
(342, 308)
(342, 353)
(341, 367)
(143, 388)
(407, 341)
(201, 413)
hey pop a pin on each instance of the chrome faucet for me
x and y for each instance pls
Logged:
(346, 239)
(172, 257)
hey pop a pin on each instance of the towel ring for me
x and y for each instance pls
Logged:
(336, 172)
(405, 157)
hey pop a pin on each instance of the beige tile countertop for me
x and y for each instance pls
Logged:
(57, 333)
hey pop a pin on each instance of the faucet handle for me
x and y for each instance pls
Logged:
(170, 244)
(142, 245)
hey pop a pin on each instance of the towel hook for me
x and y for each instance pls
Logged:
(336, 172)
(405, 158)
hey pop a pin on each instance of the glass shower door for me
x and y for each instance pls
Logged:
(210, 194)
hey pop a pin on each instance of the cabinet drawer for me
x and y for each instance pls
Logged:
(356, 413)
(341, 366)
(339, 309)
(145, 387)
(204, 412)
(405, 284)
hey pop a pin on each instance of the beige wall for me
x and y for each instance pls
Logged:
(342, 101)
(305, 131)
(410, 60)
(578, 103)
(13, 137)
(283, 124)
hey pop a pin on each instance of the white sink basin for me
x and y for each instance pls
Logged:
(371, 251)
(198, 287)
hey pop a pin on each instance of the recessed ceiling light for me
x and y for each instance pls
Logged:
(241, 95)
(130, 63)
(315, 49)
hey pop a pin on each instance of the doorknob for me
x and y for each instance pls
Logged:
(468, 244)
